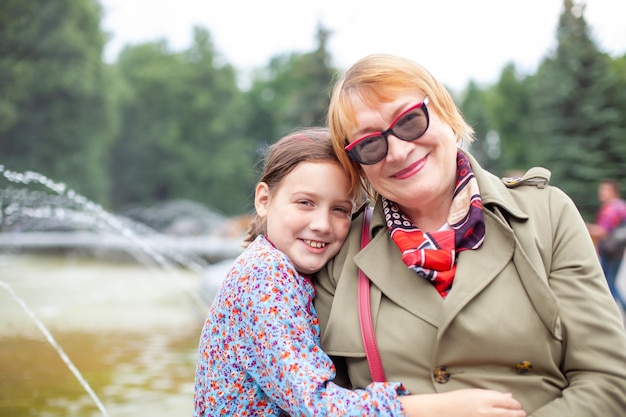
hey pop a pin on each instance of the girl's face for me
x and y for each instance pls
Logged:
(308, 213)
(418, 175)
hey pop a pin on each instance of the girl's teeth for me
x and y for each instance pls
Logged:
(315, 244)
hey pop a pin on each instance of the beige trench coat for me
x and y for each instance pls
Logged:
(529, 312)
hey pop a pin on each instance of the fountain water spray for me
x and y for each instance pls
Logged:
(23, 209)
(58, 348)
(92, 215)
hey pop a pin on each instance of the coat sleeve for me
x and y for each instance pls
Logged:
(594, 340)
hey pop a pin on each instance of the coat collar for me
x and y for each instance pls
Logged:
(382, 262)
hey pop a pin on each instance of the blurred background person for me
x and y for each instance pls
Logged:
(611, 213)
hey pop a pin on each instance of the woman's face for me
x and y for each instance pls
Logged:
(419, 176)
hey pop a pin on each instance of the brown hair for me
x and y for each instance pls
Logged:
(380, 79)
(282, 157)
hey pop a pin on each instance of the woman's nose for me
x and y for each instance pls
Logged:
(397, 149)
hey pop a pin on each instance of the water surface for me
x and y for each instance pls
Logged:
(131, 330)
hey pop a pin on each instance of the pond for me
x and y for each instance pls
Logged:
(130, 330)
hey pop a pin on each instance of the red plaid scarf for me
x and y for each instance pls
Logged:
(433, 255)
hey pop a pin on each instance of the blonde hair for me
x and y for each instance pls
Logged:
(380, 79)
(282, 157)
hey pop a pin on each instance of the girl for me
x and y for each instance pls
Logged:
(260, 350)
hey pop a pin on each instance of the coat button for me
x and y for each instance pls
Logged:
(441, 374)
(523, 367)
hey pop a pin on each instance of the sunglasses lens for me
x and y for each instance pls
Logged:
(371, 150)
(412, 125)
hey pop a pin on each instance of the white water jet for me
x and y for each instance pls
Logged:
(23, 210)
(57, 347)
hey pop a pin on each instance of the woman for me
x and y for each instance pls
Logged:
(475, 281)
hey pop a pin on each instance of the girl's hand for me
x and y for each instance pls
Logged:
(463, 403)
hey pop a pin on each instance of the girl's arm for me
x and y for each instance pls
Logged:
(283, 355)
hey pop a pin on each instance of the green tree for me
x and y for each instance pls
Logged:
(56, 110)
(510, 110)
(291, 92)
(183, 129)
(475, 110)
(576, 111)
(618, 97)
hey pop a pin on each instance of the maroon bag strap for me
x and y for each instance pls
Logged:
(365, 313)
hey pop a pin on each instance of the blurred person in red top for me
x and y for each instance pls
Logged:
(612, 212)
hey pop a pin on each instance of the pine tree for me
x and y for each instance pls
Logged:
(576, 114)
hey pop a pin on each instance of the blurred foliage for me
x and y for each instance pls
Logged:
(57, 114)
(159, 125)
(291, 92)
(570, 116)
(578, 114)
(182, 130)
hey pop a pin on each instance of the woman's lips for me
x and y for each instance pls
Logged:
(411, 169)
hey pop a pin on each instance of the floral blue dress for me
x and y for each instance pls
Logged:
(260, 354)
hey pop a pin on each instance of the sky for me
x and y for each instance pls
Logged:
(456, 40)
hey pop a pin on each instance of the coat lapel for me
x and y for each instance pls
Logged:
(382, 262)
(476, 269)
